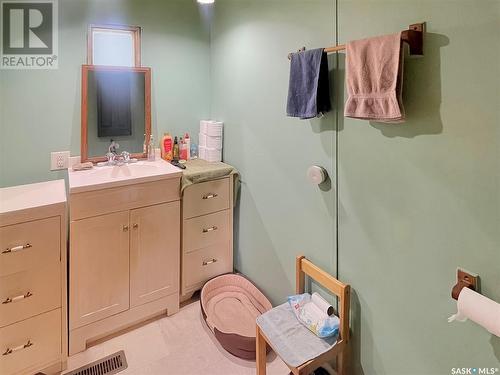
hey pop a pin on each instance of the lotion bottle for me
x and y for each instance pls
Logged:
(166, 147)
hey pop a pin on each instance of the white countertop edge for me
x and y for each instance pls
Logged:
(125, 182)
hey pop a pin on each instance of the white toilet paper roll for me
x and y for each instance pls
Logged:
(478, 308)
(322, 304)
(312, 312)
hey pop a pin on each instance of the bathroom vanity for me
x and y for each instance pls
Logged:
(124, 258)
(33, 309)
(125, 217)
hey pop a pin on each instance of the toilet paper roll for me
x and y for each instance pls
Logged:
(313, 313)
(478, 308)
(322, 304)
(202, 138)
(213, 142)
(202, 152)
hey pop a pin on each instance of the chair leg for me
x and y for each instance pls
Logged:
(261, 346)
(340, 364)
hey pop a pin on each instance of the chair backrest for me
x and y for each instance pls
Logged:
(341, 290)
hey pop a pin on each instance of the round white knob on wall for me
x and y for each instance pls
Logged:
(317, 175)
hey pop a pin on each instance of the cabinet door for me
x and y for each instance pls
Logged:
(99, 268)
(154, 252)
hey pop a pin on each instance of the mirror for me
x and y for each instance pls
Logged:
(116, 107)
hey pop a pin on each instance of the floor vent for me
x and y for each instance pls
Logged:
(112, 364)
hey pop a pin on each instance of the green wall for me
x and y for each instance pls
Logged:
(40, 110)
(280, 214)
(420, 199)
(414, 201)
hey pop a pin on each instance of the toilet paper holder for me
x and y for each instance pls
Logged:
(465, 280)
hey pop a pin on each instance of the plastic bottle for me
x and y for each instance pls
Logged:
(166, 147)
(151, 149)
(193, 152)
(183, 150)
(187, 140)
(176, 149)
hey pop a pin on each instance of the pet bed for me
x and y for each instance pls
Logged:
(230, 304)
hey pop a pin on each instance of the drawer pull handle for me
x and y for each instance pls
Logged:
(135, 226)
(206, 230)
(16, 248)
(17, 348)
(207, 262)
(17, 298)
(209, 196)
(125, 228)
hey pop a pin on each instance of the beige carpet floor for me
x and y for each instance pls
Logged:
(176, 345)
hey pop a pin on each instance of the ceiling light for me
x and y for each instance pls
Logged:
(206, 1)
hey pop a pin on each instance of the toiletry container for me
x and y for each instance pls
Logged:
(183, 150)
(151, 149)
(187, 140)
(176, 149)
(193, 153)
(166, 147)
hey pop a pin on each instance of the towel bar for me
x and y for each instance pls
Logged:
(414, 36)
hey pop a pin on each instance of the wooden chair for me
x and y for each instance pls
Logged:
(342, 291)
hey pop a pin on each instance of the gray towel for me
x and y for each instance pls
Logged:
(309, 86)
(293, 342)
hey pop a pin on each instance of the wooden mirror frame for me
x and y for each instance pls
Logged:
(84, 107)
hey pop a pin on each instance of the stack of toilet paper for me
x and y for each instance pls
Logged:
(210, 138)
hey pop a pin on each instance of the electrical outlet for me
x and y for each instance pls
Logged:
(59, 160)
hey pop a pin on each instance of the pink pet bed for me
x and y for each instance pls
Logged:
(230, 304)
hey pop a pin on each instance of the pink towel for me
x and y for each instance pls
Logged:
(374, 79)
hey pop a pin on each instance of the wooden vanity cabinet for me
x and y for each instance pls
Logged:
(124, 258)
(33, 324)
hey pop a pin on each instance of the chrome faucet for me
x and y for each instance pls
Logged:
(113, 147)
(114, 158)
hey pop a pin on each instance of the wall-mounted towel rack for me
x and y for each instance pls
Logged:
(414, 36)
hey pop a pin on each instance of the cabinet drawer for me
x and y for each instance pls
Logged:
(206, 197)
(42, 337)
(203, 264)
(29, 245)
(99, 202)
(206, 230)
(37, 291)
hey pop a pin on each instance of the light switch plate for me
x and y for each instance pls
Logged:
(59, 160)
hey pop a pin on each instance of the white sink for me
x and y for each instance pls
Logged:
(112, 176)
